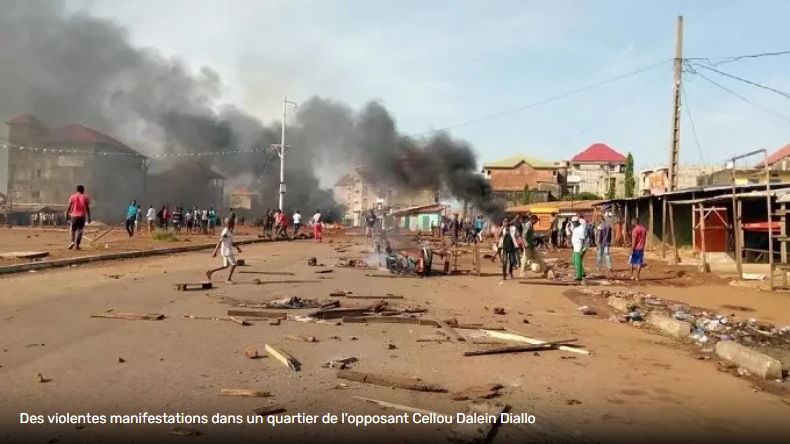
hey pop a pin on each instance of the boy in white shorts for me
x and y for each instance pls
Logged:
(225, 246)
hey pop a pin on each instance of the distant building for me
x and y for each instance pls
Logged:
(46, 165)
(655, 180)
(358, 192)
(510, 177)
(186, 183)
(595, 170)
(780, 160)
(779, 163)
(422, 218)
(241, 198)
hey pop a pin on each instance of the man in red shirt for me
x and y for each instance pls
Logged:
(80, 213)
(638, 238)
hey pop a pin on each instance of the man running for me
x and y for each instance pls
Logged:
(225, 247)
(80, 212)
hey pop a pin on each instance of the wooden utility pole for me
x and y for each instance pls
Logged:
(674, 147)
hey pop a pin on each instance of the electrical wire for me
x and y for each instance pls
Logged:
(541, 102)
(749, 82)
(693, 127)
(757, 105)
(731, 59)
(625, 102)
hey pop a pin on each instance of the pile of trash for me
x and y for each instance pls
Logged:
(354, 263)
(709, 328)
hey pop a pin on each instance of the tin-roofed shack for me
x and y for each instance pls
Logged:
(563, 209)
(719, 212)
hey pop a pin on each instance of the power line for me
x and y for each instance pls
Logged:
(757, 105)
(749, 82)
(625, 102)
(104, 152)
(725, 60)
(541, 102)
(693, 127)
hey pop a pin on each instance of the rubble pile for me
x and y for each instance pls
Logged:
(709, 328)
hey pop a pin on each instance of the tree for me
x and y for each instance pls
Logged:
(526, 196)
(612, 191)
(584, 195)
(630, 183)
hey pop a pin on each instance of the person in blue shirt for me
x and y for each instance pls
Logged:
(131, 217)
(479, 229)
(212, 220)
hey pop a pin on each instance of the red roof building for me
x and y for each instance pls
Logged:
(599, 153)
(776, 157)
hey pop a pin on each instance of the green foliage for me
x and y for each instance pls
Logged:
(526, 196)
(612, 191)
(630, 182)
(582, 196)
(164, 236)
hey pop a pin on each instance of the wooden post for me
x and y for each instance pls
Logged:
(671, 223)
(738, 232)
(476, 259)
(783, 244)
(702, 238)
(625, 225)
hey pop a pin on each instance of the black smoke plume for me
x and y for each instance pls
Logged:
(67, 67)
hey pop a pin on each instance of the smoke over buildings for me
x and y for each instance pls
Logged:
(73, 68)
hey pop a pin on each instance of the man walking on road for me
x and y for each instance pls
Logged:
(579, 242)
(80, 212)
(604, 235)
(297, 222)
(131, 218)
(151, 216)
(531, 254)
(225, 247)
(638, 238)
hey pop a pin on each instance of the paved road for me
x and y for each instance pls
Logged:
(635, 385)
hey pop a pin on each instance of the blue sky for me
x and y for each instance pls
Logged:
(440, 63)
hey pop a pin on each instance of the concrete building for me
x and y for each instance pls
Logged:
(358, 192)
(654, 181)
(46, 165)
(422, 218)
(596, 169)
(242, 198)
(187, 183)
(510, 177)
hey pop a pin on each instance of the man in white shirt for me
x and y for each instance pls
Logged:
(297, 222)
(225, 247)
(151, 216)
(579, 242)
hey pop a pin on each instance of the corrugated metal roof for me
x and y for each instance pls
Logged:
(697, 190)
(511, 162)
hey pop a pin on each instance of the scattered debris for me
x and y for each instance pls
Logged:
(324, 271)
(114, 276)
(121, 360)
(340, 364)
(29, 255)
(274, 321)
(486, 391)
(586, 311)
(266, 411)
(246, 393)
(258, 314)
(389, 381)
(520, 348)
(510, 336)
(271, 273)
(182, 431)
(450, 332)
(286, 359)
(473, 433)
(390, 405)
(499, 311)
(34, 345)
(41, 379)
(312, 262)
(193, 286)
(348, 296)
(391, 346)
(217, 318)
(301, 338)
(256, 281)
(130, 316)
(573, 402)
(251, 352)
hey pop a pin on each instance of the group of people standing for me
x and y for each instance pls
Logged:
(196, 220)
(471, 232)
(517, 247)
(275, 224)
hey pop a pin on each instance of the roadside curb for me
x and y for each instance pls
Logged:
(60, 263)
(757, 363)
(672, 327)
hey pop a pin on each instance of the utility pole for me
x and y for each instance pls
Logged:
(282, 149)
(674, 147)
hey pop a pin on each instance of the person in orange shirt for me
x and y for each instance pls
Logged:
(80, 213)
